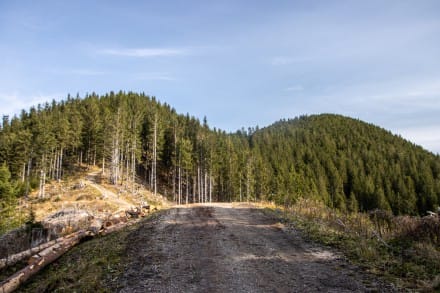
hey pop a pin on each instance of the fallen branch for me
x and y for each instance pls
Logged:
(375, 234)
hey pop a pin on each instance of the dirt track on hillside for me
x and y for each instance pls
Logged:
(225, 248)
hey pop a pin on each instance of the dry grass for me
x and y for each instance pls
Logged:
(66, 194)
(404, 249)
(67, 198)
(63, 195)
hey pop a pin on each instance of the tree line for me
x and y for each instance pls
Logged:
(348, 164)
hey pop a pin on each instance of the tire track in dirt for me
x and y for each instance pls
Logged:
(222, 248)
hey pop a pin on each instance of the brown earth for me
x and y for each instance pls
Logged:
(233, 248)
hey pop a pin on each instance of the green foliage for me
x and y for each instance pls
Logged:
(7, 190)
(343, 162)
(351, 165)
(9, 218)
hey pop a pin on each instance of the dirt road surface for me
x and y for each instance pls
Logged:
(233, 248)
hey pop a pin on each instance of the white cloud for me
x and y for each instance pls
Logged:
(295, 88)
(86, 72)
(145, 52)
(13, 103)
(286, 60)
(428, 136)
(155, 76)
(78, 71)
(399, 95)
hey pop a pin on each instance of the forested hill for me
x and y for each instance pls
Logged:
(350, 164)
(346, 163)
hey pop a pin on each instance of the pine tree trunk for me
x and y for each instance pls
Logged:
(40, 190)
(127, 166)
(116, 152)
(103, 165)
(94, 156)
(180, 187)
(175, 166)
(194, 189)
(28, 175)
(116, 161)
(199, 184)
(60, 169)
(52, 166)
(206, 188)
(133, 164)
(187, 187)
(151, 176)
(115, 157)
(42, 177)
(210, 188)
(55, 165)
(240, 190)
(247, 189)
(24, 173)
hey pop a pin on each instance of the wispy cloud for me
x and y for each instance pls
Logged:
(145, 52)
(165, 76)
(78, 71)
(75, 71)
(406, 94)
(87, 72)
(403, 94)
(295, 88)
(13, 103)
(286, 60)
(424, 135)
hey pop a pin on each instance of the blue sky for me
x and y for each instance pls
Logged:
(240, 63)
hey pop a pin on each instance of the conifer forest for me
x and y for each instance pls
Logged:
(345, 163)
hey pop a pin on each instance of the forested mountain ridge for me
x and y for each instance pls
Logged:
(348, 164)
(351, 164)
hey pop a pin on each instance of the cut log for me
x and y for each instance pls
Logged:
(15, 258)
(118, 227)
(95, 226)
(132, 213)
(41, 260)
(60, 246)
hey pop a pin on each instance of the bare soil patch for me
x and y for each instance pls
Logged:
(232, 248)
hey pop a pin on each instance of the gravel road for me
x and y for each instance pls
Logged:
(233, 248)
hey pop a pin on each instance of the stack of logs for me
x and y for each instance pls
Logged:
(48, 252)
